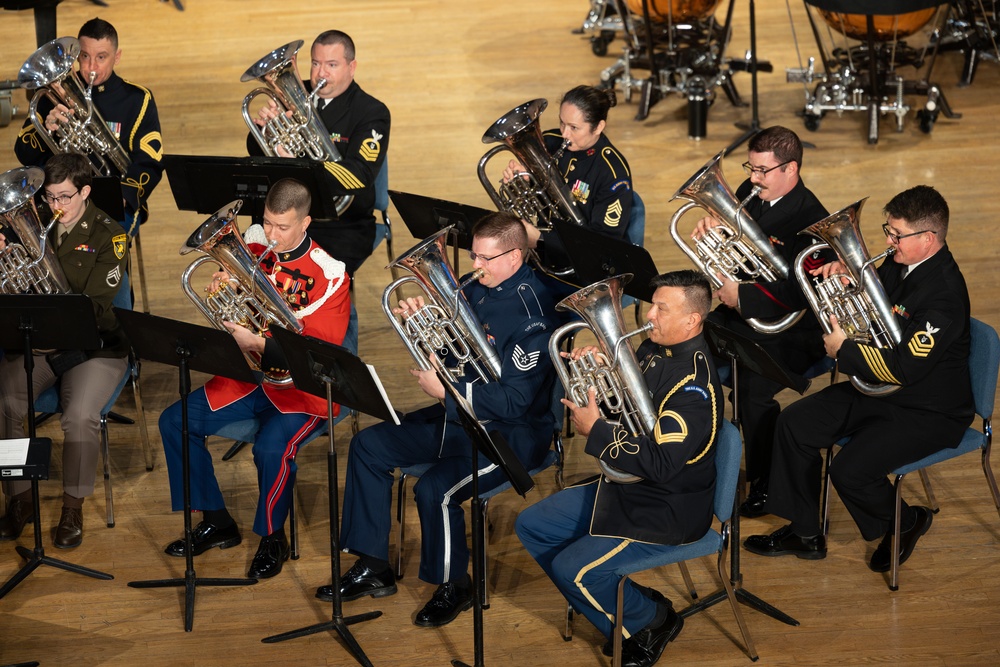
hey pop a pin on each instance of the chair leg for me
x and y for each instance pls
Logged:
(929, 491)
(734, 603)
(568, 634)
(616, 636)
(401, 521)
(142, 273)
(991, 480)
(894, 558)
(484, 593)
(826, 491)
(234, 450)
(687, 580)
(141, 417)
(106, 455)
(293, 525)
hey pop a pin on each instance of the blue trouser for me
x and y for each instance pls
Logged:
(375, 454)
(556, 532)
(274, 447)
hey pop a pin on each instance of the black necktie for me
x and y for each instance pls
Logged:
(764, 206)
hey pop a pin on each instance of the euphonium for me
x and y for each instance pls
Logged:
(301, 132)
(30, 266)
(254, 302)
(446, 323)
(541, 197)
(50, 71)
(621, 388)
(737, 248)
(861, 307)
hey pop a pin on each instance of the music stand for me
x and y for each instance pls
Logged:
(189, 347)
(742, 351)
(204, 183)
(752, 65)
(597, 257)
(45, 321)
(334, 373)
(426, 216)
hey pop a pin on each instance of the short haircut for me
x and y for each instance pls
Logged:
(592, 102)
(99, 29)
(506, 228)
(73, 167)
(288, 194)
(923, 208)
(697, 290)
(331, 37)
(779, 140)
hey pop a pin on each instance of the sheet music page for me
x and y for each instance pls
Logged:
(14, 452)
(385, 396)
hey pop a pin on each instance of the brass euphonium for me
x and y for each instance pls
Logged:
(539, 194)
(254, 302)
(621, 388)
(29, 266)
(446, 323)
(50, 71)
(861, 307)
(297, 127)
(737, 248)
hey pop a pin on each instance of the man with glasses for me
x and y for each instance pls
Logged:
(91, 249)
(782, 209)
(930, 410)
(515, 311)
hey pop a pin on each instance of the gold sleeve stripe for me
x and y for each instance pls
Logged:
(873, 357)
(142, 114)
(344, 176)
(674, 436)
(147, 147)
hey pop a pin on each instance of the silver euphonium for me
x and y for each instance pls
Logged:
(861, 307)
(737, 248)
(49, 70)
(539, 194)
(446, 323)
(29, 266)
(615, 373)
(297, 127)
(249, 298)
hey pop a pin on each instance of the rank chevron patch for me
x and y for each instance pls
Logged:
(923, 341)
(525, 361)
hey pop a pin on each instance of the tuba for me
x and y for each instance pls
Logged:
(616, 375)
(446, 323)
(861, 307)
(301, 133)
(50, 69)
(543, 195)
(31, 266)
(254, 302)
(737, 246)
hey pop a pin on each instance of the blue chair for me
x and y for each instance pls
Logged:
(47, 404)
(984, 364)
(383, 230)
(636, 234)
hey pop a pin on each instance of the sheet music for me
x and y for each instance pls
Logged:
(14, 452)
(385, 396)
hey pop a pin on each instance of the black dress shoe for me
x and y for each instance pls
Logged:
(753, 506)
(645, 647)
(656, 596)
(882, 558)
(447, 603)
(360, 581)
(783, 542)
(18, 514)
(272, 552)
(204, 537)
(69, 532)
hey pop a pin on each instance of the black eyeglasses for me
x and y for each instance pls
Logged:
(60, 200)
(894, 237)
(474, 256)
(762, 171)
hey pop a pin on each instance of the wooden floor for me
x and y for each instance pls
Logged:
(447, 71)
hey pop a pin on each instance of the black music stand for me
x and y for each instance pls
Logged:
(597, 257)
(742, 351)
(45, 321)
(426, 216)
(333, 372)
(204, 183)
(189, 347)
(754, 66)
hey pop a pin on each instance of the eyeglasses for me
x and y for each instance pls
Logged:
(474, 256)
(894, 237)
(762, 171)
(60, 200)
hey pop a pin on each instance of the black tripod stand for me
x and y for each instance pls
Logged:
(42, 321)
(754, 126)
(189, 347)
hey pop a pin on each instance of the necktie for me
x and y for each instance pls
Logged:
(764, 206)
(62, 237)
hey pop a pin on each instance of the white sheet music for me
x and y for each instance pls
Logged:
(385, 396)
(14, 452)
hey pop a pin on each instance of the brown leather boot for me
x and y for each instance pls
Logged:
(19, 512)
(69, 532)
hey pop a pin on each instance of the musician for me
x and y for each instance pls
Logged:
(317, 289)
(929, 412)
(91, 249)
(582, 535)
(127, 108)
(359, 127)
(783, 208)
(515, 310)
(598, 175)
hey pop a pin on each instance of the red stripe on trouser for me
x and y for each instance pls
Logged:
(281, 479)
